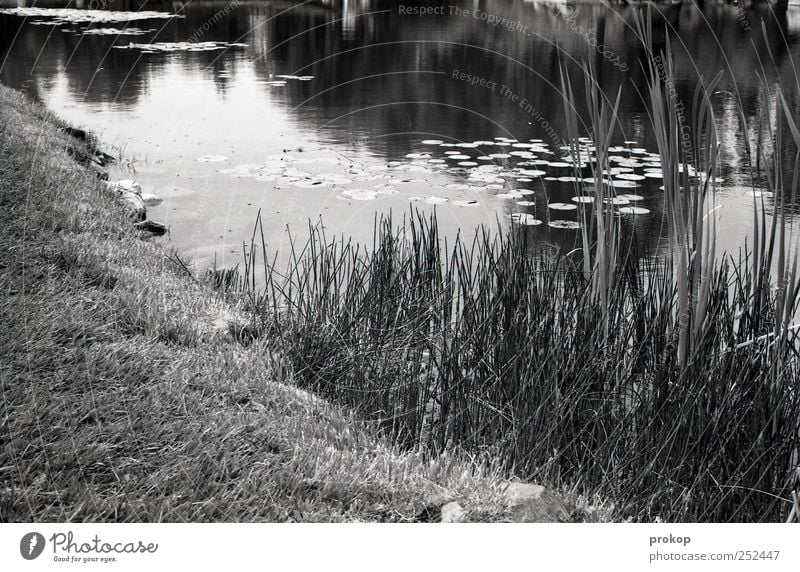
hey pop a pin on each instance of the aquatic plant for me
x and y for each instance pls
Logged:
(666, 382)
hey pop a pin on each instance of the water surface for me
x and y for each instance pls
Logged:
(202, 113)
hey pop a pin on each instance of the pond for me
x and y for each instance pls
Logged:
(345, 110)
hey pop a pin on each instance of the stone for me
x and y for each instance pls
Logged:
(452, 512)
(150, 199)
(534, 503)
(103, 159)
(78, 134)
(153, 227)
(126, 185)
(135, 205)
(98, 171)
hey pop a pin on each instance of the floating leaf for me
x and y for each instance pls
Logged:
(359, 194)
(564, 224)
(562, 206)
(525, 219)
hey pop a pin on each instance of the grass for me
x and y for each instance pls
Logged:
(131, 392)
(667, 384)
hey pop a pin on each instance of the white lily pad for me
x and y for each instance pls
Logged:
(359, 194)
(622, 184)
(564, 224)
(525, 219)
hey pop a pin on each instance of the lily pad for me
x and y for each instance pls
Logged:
(564, 224)
(359, 194)
(631, 197)
(525, 219)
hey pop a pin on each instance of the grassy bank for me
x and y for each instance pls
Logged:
(128, 396)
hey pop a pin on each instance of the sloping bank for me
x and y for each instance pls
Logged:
(126, 398)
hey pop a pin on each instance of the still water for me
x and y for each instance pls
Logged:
(342, 110)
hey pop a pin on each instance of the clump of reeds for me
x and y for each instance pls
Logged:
(666, 383)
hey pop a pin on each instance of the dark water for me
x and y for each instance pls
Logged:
(376, 83)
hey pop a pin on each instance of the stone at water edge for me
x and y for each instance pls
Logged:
(534, 503)
(150, 199)
(98, 171)
(135, 205)
(125, 185)
(452, 512)
(151, 226)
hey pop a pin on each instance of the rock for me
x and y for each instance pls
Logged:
(452, 512)
(103, 159)
(150, 199)
(152, 227)
(78, 134)
(99, 171)
(125, 185)
(534, 503)
(134, 204)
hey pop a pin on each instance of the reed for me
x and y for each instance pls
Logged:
(667, 383)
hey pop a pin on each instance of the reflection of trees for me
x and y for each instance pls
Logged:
(704, 41)
(89, 65)
(525, 62)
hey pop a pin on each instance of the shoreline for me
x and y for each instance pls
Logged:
(131, 398)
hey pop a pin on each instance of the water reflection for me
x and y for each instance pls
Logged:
(382, 81)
